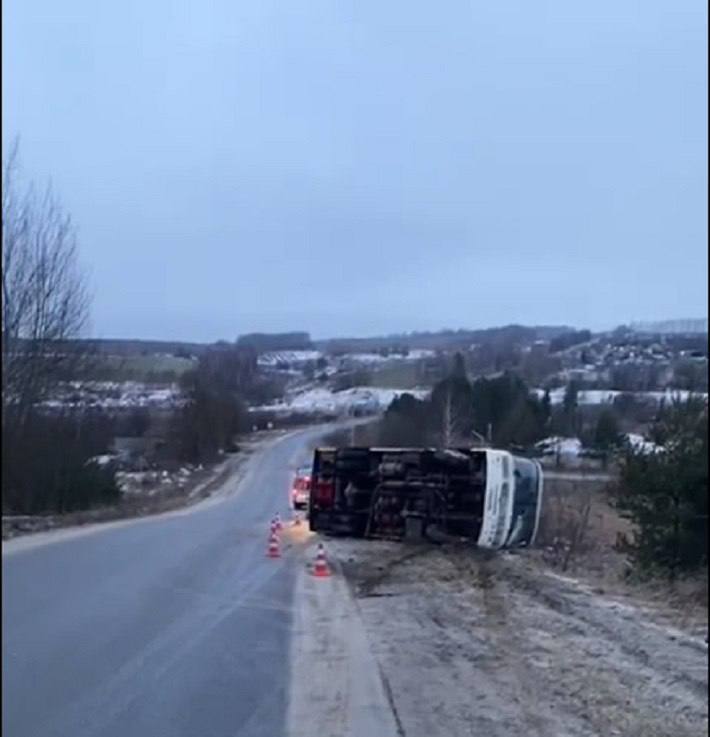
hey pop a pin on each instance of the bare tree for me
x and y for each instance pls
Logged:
(448, 428)
(566, 522)
(453, 422)
(45, 300)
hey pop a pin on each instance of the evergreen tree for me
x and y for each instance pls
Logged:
(458, 370)
(606, 433)
(546, 408)
(405, 422)
(569, 408)
(505, 404)
(665, 493)
(571, 397)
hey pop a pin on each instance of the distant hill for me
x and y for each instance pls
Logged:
(685, 326)
(268, 342)
(261, 342)
(446, 339)
(131, 347)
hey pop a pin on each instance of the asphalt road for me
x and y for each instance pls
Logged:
(176, 625)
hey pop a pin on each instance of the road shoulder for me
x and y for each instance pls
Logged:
(336, 684)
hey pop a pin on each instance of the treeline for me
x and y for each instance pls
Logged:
(500, 410)
(267, 342)
(217, 390)
(46, 465)
(448, 340)
(132, 347)
(569, 340)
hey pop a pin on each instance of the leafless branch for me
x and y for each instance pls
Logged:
(45, 300)
(453, 426)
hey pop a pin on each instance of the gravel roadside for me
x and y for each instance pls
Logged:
(471, 643)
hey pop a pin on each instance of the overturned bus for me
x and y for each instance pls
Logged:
(488, 496)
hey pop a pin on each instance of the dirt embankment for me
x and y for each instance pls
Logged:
(471, 643)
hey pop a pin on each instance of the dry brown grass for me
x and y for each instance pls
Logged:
(578, 527)
(578, 534)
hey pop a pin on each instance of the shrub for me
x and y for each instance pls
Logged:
(45, 464)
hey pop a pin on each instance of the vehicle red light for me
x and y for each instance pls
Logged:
(324, 492)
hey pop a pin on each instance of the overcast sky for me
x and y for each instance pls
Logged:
(358, 167)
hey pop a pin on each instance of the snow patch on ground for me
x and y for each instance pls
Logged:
(103, 460)
(366, 359)
(115, 395)
(292, 358)
(320, 400)
(641, 444)
(572, 448)
(607, 396)
(558, 446)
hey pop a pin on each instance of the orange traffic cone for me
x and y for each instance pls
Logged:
(320, 569)
(273, 550)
